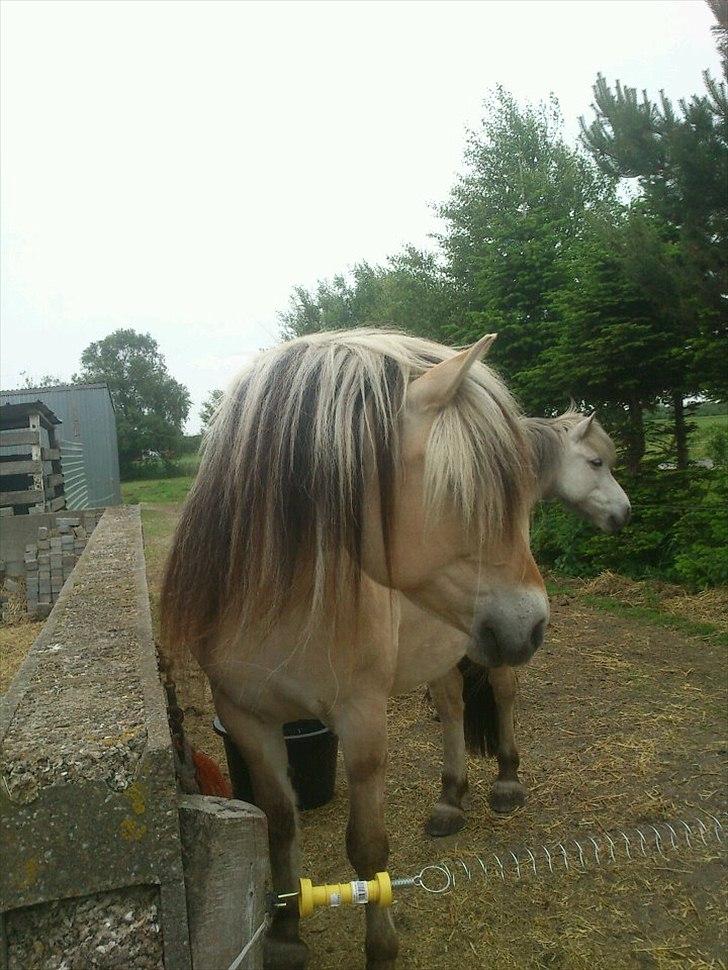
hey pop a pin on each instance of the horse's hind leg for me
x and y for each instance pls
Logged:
(448, 815)
(264, 751)
(362, 730)
(507, 793)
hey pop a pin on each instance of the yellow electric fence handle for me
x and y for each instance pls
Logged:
(377, 890)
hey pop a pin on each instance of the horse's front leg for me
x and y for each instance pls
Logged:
(507, 793)
(448, 815)
(362, 730)
(264, 750)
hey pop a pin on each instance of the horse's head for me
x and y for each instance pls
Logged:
(457, 541)
(583, 477)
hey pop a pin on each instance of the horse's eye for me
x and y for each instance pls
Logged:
(596, 462)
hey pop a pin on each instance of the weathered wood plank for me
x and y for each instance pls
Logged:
(51, 454)
(20, 467)
(55, 479)
(225, 900)
(20, 436)
(57, 503)
(29, 497)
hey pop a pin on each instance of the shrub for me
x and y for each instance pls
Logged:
(151, 467)
(678, 532)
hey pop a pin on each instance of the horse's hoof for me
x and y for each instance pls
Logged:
(445, 820)
(506, 797)
(385, 958)
(281, 954)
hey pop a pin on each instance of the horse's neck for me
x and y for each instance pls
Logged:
(427, 647)
(546, 444)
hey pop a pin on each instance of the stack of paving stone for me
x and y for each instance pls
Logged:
(49, 561)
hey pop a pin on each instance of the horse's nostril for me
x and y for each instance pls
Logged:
(617, 522)
(537, 634)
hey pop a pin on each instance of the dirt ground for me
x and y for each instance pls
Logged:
(622, 721)
(17, 634)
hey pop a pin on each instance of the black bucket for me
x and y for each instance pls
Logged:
(312, 750)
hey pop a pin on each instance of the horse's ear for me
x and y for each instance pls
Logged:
(581, 428)
(436, 387)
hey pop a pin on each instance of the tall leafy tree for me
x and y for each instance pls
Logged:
(410, 292)
(511, 217)
(151, 406)
(45, 380)
(209, 406)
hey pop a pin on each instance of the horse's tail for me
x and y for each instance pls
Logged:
(480, 717)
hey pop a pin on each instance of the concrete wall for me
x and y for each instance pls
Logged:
(89, 823)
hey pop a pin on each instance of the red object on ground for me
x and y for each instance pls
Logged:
(209, 777)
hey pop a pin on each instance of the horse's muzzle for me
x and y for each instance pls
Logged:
(510, 632)
(618, 520)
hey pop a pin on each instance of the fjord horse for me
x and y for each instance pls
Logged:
(344, 473)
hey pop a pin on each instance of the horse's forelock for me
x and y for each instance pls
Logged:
(546, 437)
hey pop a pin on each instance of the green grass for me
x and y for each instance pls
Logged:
(189, 463)
(648, 614)
(156, 490)
(158, 523)
(656, 617)
(705, 426)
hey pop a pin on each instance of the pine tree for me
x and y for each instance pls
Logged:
(679, 157)
(618, 343)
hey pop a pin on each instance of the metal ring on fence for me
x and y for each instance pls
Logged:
(627, 844)
(718, 827)
(688, 833)
(437, 890)
(612, 856)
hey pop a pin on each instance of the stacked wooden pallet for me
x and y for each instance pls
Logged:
(31, 478)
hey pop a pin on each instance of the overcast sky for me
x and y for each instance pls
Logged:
(178, 167)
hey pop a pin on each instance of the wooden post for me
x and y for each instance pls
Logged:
(225, 860)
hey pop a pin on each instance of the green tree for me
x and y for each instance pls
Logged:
(209, 406)
(679, 158)
(511, 218)
(720, 31)
(46, 380)
(151, 406)
(618, 345)
(411, 292)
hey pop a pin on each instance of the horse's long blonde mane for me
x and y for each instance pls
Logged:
(281, 485)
